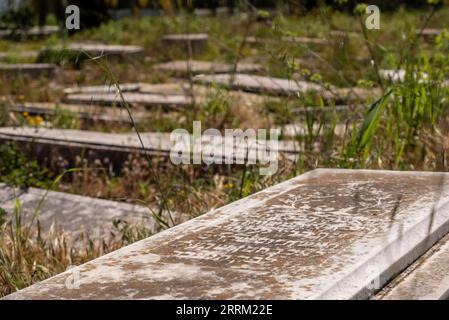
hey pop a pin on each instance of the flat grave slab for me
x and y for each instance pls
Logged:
(144, 99)
(344, 33)
(198, 67)
(196, 41)
(294, 40)
(6, 193)
(201, 93)
(259, 84)
(175, 88)
(125, 87)
(30, 69)
(95, 50)
(426, 279)
(73, 213)
(34, 32)
(81, 138)
(327, 234)
(90, 112)
(179, 90)
(46, 143)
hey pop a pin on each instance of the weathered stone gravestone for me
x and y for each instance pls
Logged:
(196, 42)
(49, 145)
(327, 234)
(157, 88)
(87, 112)
(183, 89)
(75, 214)
(259, 84)
(198, 67)
(34, 32)
(124, 87)
(144, 99)
(294, 40)
(426, 279)
(29, 69)
(77, 52)
(345, 33)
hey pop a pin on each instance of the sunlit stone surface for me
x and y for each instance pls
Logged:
(325, 234)
(98, 49)
(259, 84)
(72, 213)
(146, 99)
(71, 143)
(426, 279)
(197, 67)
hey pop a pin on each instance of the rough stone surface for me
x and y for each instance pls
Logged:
(294, 40)
(34, 32)
(125, 87)
(131, 98)
(157, 144)
(31, 69)
(426, 279)
(259, 84)
(72, 213)
(325, 234)
(198, 67)
(93, 49)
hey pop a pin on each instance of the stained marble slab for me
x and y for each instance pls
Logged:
(294, 40)
(75, 214)
(132, 98)
(124, 87)
(198, 67)
(34, 32)
(98, 49)
(426, 279)
(327, 234)
(51, 145)
(259, 84)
